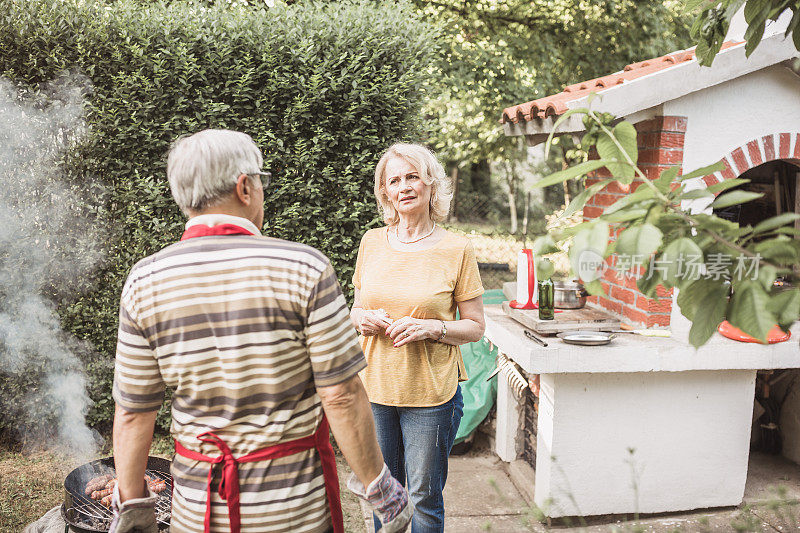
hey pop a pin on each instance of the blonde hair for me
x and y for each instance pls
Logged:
(431, 172)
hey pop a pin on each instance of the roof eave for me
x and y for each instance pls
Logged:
(674, 82)
(543, 126)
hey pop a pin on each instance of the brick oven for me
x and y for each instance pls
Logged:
(645, 407)
(666, 99)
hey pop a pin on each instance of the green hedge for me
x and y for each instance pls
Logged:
(322, 88)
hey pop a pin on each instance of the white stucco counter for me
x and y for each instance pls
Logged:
(635, 353)
(644, 424)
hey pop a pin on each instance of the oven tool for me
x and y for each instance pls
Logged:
(535, 339)
(515, 379)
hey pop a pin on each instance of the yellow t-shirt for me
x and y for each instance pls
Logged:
(423, 284)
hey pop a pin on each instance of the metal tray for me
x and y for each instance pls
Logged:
(586, 338)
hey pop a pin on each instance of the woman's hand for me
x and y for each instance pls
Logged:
(407, 329)
(372, 322)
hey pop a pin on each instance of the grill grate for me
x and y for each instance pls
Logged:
(86, 514)
(91, 509)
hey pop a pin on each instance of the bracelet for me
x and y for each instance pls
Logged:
(444, 331)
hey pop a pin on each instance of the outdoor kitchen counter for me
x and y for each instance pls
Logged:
(642, 425)
(635, 353)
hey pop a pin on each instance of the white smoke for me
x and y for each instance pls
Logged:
(48, 248)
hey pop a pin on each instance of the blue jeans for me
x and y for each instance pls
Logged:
(416, 442)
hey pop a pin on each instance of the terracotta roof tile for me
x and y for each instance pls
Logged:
(556, 104)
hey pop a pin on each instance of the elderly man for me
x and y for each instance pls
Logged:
(254, 336)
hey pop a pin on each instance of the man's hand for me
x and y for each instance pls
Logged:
(349, 413)
(133, 433)
(389, 499)
(136, 515)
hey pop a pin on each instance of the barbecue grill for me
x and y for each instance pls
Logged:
(85, 515)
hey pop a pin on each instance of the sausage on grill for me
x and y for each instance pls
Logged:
(103, 487)
(100, 494)
(107, 501)
(97, 483)
(157, 485)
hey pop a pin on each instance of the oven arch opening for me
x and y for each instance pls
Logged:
(778, 181)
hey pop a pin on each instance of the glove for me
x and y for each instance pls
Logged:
(388, 498)
(134, 516)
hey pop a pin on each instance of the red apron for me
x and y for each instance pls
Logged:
(229, 485)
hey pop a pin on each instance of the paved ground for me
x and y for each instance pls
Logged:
(480, 496)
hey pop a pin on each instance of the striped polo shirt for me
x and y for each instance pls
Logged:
(243, 329)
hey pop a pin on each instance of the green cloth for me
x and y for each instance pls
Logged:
(479, 394)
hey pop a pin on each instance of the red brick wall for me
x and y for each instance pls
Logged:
(660, 142)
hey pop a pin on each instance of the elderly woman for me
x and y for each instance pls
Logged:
(411, 277)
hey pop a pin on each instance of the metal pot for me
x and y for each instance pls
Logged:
(569, 295)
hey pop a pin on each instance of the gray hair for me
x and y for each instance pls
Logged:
(430, 172)
(203, 168)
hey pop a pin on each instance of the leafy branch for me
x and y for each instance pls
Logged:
(714, 18)
(723, 271)
(668, 203)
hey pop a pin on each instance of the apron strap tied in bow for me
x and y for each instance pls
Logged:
(229, 485)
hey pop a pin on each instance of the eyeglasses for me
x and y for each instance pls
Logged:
(264, 176)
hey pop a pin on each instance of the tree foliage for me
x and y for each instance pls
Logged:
(322, 88)
(498, 53)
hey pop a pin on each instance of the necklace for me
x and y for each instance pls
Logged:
(397, 234)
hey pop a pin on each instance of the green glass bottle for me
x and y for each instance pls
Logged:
(546, 300)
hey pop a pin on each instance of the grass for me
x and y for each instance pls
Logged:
(32, 484)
